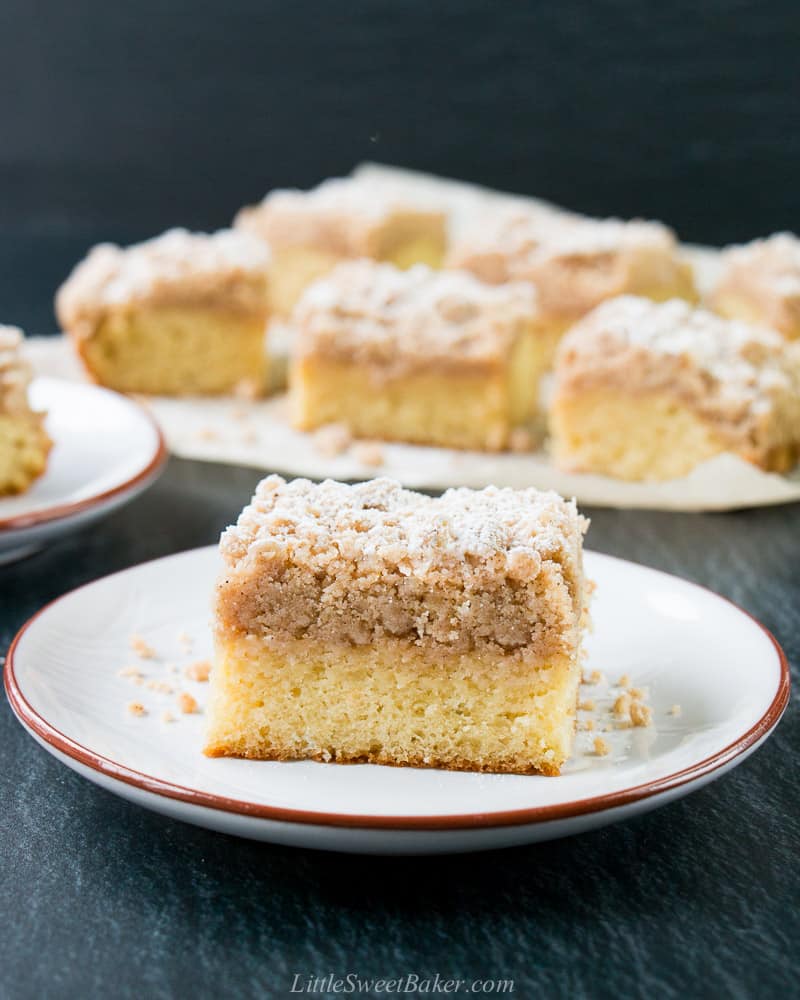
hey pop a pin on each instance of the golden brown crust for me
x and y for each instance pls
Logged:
(519, 766)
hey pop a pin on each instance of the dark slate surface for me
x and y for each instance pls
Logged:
(99, 898)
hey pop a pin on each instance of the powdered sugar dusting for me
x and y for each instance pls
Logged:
(379, 521)
(177, 265)
(378, 314)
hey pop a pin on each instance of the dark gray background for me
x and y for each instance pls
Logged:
(117, 120)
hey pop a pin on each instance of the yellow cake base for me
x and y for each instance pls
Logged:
(24, 447)
(390, 704)
(174, 351)
(643, 437)
(437, 407)
(294, 268)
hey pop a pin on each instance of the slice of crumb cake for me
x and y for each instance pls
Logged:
(309, 232)
(184, 313)
(424, 356)
(645, 391)
(759, 283)
(370, 623)
(24, 442)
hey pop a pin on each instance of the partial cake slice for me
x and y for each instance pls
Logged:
(180, 314)
(369, 623)
(575, 262)
(760, 283)
(309, 232)
(646, 391)
(424, 356)
(24, 443)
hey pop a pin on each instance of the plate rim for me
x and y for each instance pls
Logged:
(53, 737)
(60, 511)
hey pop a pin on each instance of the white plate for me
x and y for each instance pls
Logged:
(685, 644)
(106, 449)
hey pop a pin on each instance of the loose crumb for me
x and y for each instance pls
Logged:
(167, 717)
(207, 434)
(586, 706)
(142, 648)
(675, 710)
(185, 639)
(637, 693)
(601, 748)
(137, 708)
(132, 672)
(520, 440)
(368, 453)
(587, 724)
(161, 686)
(622, 706)
(641, 715)
(332, 440)
(624, 681)
(198, 671)
(247, 388)
(595, 677)
(187, 704)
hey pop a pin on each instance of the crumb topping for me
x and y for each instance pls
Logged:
(343, 215)
(574, 261)
(353, 564)
(396, 321)
(764, 274)
(225, 268)
(774, 261)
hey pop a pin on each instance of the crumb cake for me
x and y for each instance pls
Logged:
(24, 444)
(424, 356)
(369, 623)
(760, 283)
(648, 391)
(309, 232)
(575, 262)
(185, 313)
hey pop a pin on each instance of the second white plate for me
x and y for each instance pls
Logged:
(106, 450)
(71, 673)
